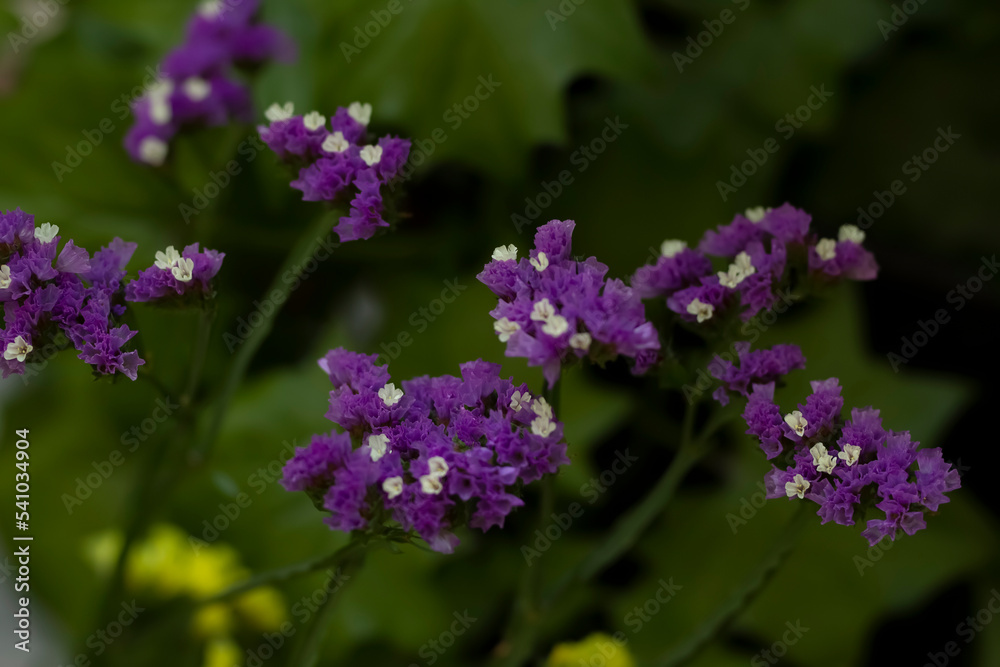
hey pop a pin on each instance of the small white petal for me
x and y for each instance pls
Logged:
(826, 249)
(390, 395)
(503, 253)
(184, 270)
(851, 233)
(580, 341)
(46, 232)
(314, 120)
(542, 426)
(796, 422)
(519, 400)
(362, 113)
(153, 151)
(393, 486)
(17, 349)
(5, 278)
(755, 214)
(797, 487)
(703, 311)
(542, 311)
(823, 461)
(167, 259)
(277, 112)
(210, 9)
(849, 454)
(197, 89)
(541, 262)
(335, 143)
(556, 326)
(431, 485)
(438, 466)
(378, 444)
(505, 328)
(672, 247)
(542, 408)
(371, 155)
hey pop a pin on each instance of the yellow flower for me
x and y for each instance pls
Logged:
(222, 653)
(263, 608)
(595, 649)
(213, 620)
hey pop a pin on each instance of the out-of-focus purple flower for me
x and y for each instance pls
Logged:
(429, 453)
(176, 274)
(335, 162)
(677, 267)
(554, 309)
(848, 468)
(753, 367)
(845, 257)
(196, 86)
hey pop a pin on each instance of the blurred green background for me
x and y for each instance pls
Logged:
(565, 71)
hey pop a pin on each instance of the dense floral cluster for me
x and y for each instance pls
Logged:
(338, 162)
(47, 292)
(753, 367)
(758, 245)
(431, 455)
(845, 466)
(196, 86)
(174, 273)
(554, 309)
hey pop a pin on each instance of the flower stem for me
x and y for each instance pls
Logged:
(740, 598)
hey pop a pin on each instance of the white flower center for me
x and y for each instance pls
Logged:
(851, 233)
(556, 326)
(438, 466)
(505, 328)
(755, 214)
(393, 486)
(17, 349)
(849, 454)
(672, 247)
(159, 101)
(542, 426)
(542, 311)
(797, 487)
(362, 113)
(796, 422)
(167, 259)
(46, 232)
(277, 112)
(184, 269)
(431, 485)
(503, 253)
(703, 311)
(519, 400)
(153, 151)
(378, 444)
(580, 341)
(314, 120)
(542, 408)
(390, 395)
(197, 89)
(541, 262)
(824, 462)
(826, 249)
(371, 155)
(738, 271)
(4, 277)
(335, 143)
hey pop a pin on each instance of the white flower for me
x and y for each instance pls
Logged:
(390, 395)
(167, 259)
(826, 249)
(4, 277)
(542, 426)
(314, 120)
(503, 253)
(849, 454)
(671, 247)
(184, 270)
(362, 113)
(797, 487)
(153, 151)
(378, 444)
(277, 112)
(756, 214)
(541, 262)
(542, 311)
(393, 486)
(824, 462)
(431, 485)
(797, 422)
(851, 233)
(371, 155)
(505, 328)
(18, 349)
(580, 341)
(438, 466)
(703, 311)
(46, 232)
(738, 271)
(519, 400)
(335, 143)
(159, 101)
(555, 326)
(210, 9)
(542, 408)
(197, 89)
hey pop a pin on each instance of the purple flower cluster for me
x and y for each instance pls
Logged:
(196, 85)
(336, 161)
(757, 245)
(554, 309)
(177, 274)
(431, 455)
(753, 367)
(847, 466)
(49, 293)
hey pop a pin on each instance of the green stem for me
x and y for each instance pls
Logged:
(277, 294)
(740, 598)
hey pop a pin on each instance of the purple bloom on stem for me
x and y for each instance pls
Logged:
(754, 367)
(176, 274)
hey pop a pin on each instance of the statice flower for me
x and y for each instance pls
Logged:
(196, 84)
(431, 454)
(174, 274)
(337, 162)
(554, 309)
(49, 294)
(848, 467)
(753, 367)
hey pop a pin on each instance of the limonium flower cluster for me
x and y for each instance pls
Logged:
(197, 85)
(555, 310)
(432, 455)
(760, 246)
(846, 466)
(337, 162)
(52, 295)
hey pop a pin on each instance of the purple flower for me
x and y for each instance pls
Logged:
(336, 164)
(554, 310)
(848, 469)
(428, 454)
(754, 367)
(195, 84)
(177, 274)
